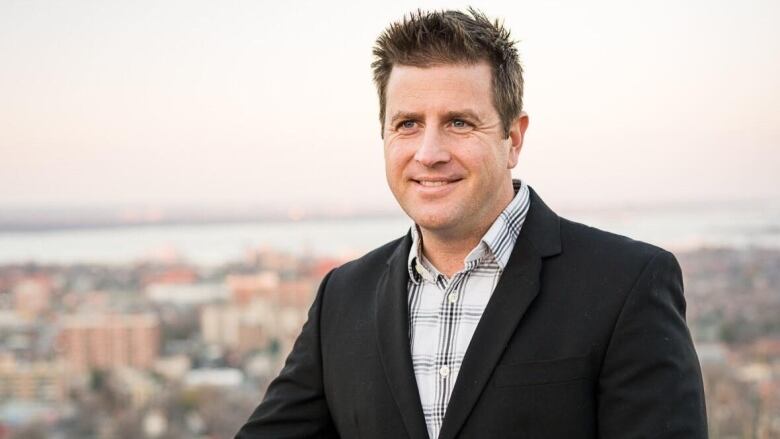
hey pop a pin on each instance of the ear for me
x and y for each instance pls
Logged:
(516, 136)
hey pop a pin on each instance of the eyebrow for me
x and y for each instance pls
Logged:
(463, 114)
(458, 114)
(405, 115)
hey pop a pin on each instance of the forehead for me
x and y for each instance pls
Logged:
(440, 87)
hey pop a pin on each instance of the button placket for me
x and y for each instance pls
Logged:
(450, 296)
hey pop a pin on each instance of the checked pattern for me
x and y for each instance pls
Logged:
(444, 313)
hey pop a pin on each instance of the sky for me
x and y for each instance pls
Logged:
(149, 103)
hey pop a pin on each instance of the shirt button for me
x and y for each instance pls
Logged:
(444, 371)
(452, 297)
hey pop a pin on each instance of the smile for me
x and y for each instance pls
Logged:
(436, 183)
(435, 186)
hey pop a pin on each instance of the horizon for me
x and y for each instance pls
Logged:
(53, 219)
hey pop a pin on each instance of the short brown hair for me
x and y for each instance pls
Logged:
(425, 39)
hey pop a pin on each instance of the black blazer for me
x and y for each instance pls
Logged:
(583, 337)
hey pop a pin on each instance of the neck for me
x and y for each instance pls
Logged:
(447, 249)
(446, 255)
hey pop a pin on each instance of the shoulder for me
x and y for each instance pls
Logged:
(608, 258)
(348, 292)
(595, 242)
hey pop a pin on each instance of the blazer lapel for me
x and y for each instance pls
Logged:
(393, 339)
(516, 289)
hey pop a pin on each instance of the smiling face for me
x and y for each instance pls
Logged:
(447, 159)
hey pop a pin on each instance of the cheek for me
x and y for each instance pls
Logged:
(397, 155)
(394, 171)
(492, 158)
(391, 162)
(475, 160)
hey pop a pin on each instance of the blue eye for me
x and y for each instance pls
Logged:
(408, 124)
(458, 123)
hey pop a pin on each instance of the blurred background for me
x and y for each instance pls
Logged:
(176, 177)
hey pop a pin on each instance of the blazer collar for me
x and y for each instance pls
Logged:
(392, 319)
(515, 291)
(542, 227)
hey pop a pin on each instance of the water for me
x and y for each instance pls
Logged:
(213, 244)
(205, 244)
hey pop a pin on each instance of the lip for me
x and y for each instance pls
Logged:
(435, 186)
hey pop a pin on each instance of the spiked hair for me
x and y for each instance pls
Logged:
(426, 39)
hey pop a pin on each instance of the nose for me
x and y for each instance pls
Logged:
(432, 149)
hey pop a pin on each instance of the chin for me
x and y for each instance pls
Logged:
(434, 222)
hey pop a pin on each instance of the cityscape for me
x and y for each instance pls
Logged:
(163, 347)
(176, 178)
(156, 349)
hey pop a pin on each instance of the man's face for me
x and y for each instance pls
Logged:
(446, 157)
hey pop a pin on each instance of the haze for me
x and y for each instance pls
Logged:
(256, 103)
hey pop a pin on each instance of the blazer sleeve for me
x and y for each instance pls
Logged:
(650, 384)
(294, 405)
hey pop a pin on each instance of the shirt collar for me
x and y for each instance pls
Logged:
(497, 242)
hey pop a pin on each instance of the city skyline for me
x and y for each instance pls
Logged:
(194, 103)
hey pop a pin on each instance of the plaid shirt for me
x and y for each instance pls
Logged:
(443, 313)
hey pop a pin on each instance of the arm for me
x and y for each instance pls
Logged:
(650, 384)
(294, 405)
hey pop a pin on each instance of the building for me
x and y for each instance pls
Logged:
(32, 297)
(243, 328)
(110, 340)
(38, 381)
(246, 287)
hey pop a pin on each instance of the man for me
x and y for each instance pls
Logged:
(493, 317)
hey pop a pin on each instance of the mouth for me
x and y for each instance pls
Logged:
(435, 182)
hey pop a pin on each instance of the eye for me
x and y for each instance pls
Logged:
(407, 125)
(460, 123)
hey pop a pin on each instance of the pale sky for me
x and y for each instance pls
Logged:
(271, 103)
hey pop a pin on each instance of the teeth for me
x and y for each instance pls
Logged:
(433, 183)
